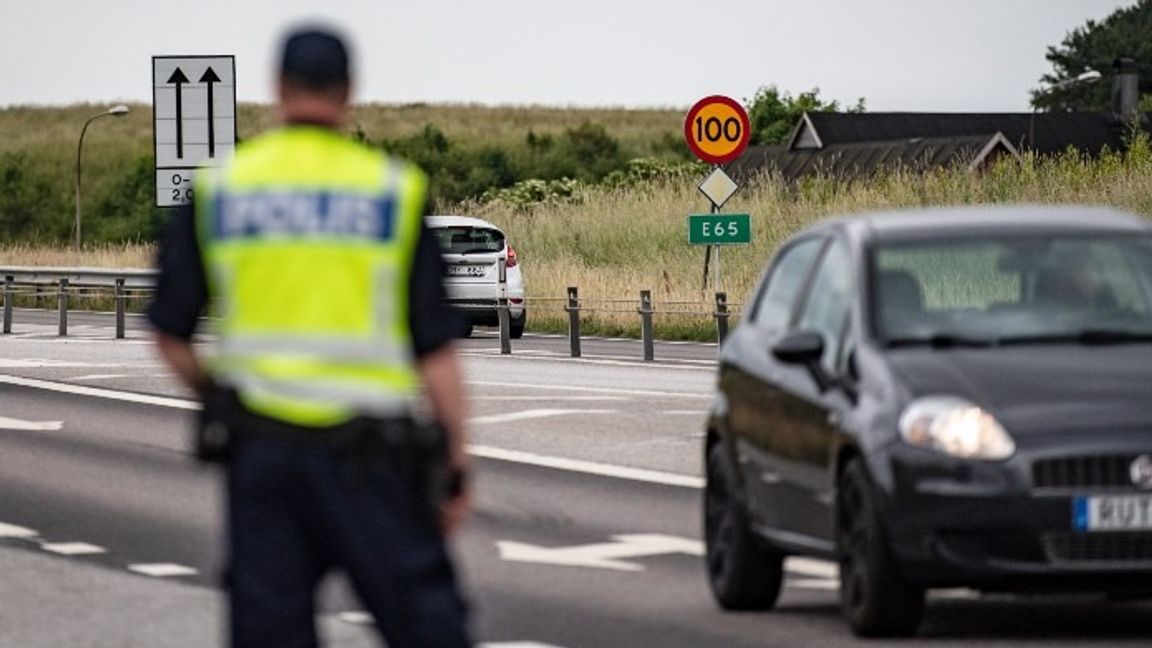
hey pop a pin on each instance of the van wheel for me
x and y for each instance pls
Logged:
(876, 601)
(742, 574)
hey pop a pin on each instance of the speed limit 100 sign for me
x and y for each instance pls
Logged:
(717, 129)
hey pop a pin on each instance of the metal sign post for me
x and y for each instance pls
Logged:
(717, 130)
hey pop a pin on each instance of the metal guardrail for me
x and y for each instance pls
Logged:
(130, 283)
(36, 281)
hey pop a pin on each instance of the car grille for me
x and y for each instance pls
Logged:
(1078, 473)
(1108, 547)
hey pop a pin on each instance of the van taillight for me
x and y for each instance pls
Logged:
(511, 257)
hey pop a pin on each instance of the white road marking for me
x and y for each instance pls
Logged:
(516, 644)
(532, 414)
(591, 390)
(685, 412)
(20, 424)
(162, 570)
(80, 390)
(605, 555)
(13, 531)
(101, 377)
(663, 364)
(33, 363)
(484, 397)
(72, 548)
(587, 467)
(812, 567)
(813, 583)
(357, 618)
(488, 452)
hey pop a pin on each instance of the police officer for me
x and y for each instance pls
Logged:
(331, 326)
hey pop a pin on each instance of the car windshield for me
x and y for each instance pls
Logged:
(1013, 289)
(469, 240)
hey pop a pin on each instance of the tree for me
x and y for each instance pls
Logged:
(773, 114)
(1094, 46)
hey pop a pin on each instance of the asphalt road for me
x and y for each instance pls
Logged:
(586, 530)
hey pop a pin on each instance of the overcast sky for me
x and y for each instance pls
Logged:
(918, 55)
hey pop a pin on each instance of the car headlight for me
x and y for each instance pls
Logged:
(955, 427)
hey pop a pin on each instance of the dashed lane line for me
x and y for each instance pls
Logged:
(72, 548)
(13, 531)
(162, 570)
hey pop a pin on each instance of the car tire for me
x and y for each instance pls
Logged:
(516, 325)
(876, 600)
(742, 574)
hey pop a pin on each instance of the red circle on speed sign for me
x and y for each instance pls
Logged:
(717, 129)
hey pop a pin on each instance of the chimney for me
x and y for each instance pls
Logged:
(1125, 90)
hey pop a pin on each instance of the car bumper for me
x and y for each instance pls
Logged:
(988, 525)
(478, 302)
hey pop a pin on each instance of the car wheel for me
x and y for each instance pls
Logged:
(876, 601)
(516, 325)
(742, 574)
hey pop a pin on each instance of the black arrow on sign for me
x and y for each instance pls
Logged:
(179, 79)
(210, 77)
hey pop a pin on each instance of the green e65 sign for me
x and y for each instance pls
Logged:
(719, 229)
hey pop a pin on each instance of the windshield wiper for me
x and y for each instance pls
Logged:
(1085, 336)
(942, 341)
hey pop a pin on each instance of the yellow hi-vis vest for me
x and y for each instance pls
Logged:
(308, 241)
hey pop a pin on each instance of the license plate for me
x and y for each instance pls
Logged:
(1113, 513)
(465, 271)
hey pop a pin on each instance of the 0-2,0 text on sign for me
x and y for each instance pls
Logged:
(719, 229)
(717, 129)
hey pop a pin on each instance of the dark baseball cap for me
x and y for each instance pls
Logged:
(316, 58)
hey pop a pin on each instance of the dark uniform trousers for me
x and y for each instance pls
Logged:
(299, 509)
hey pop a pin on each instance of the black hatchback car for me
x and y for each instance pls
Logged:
(939, 398)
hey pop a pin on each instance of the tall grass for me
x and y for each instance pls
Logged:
(612, 243)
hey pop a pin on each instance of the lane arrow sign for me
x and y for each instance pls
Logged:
(179, 79)
(210, 77)
(606, 555)
(20, 424)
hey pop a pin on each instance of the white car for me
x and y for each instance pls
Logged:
(471, 248)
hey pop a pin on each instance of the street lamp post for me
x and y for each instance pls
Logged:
(115, 111)
(1084, 77)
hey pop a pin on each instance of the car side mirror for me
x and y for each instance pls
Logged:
(799, 347)
(806, 348)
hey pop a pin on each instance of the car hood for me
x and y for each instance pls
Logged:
(1039, 387)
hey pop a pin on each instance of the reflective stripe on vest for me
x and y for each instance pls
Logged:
(308, 241)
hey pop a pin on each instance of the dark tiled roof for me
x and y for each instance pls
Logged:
(1054, 132)
(854, 159)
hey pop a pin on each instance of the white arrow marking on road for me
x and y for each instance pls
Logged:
(604, 555)
(19, 424)
(533, 414)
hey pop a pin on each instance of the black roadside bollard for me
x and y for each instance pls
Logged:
(646, 324)
(120, 309)
(502, 314)
(573, 309)
(721, 316)
(9, 295)
(62, 304)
